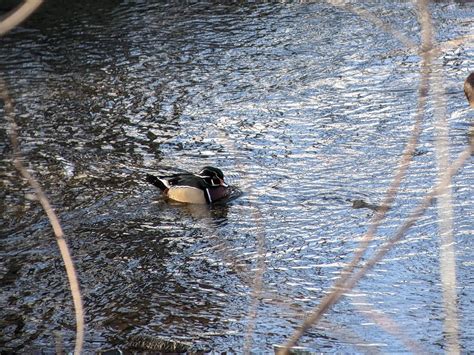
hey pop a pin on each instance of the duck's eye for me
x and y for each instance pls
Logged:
(215, 181)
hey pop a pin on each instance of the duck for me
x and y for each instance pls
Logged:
(205, 187)
(469, 89)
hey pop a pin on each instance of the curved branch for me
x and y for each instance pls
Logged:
(20, 14)
(53, 219)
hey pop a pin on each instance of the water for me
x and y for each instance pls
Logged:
(305, 107)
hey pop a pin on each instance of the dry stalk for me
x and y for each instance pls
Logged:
(18, 15)
(228, 256)
(407, 155)
(255, 280)
(415, 215)
(257, 286)
(444, 205)
(53, 219)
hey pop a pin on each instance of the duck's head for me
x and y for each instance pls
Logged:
(469, 89)
(214, 175)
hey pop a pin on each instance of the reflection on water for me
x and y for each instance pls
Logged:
(305, 107)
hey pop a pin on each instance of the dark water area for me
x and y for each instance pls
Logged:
(305, 107)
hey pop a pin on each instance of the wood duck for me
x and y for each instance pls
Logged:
(207, 186)
(469, 89)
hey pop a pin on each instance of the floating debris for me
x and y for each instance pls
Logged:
(363, 204)
(295, 350)
(153, 343)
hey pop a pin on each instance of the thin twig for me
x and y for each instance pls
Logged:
(18, 15)
(442, 47)
(386, 323)
(415, 215)
(437, 49)
(348, 336)
(340, 333)
(53, 219)
(367, 15)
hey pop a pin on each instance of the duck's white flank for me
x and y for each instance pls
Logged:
(187, 194)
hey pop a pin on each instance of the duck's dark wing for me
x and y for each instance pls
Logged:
(187, 180)
(156, 181)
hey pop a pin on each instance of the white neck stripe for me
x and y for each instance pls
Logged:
(208, 195)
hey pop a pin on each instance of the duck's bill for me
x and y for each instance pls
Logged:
(223, 183)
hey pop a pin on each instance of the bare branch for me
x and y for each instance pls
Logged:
(415, 215)
(340, 285)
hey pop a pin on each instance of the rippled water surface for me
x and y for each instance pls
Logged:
(305, 107)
